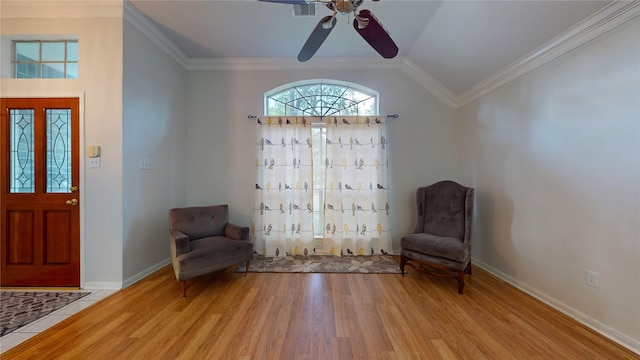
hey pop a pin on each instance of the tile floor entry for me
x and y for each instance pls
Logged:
(26, 332)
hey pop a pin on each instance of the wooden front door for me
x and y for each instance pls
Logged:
(40, 213)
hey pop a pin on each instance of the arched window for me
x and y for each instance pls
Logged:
(321, 97)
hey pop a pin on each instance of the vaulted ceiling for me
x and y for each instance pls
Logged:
(460, 44)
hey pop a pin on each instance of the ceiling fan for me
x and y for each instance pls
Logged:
(365, 23)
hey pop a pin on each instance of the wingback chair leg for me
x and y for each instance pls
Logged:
(184, 288)
(403, 262)
(246, 270)
(460, 281)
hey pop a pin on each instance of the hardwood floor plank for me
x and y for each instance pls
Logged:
(443, 349)
(406, 341)
(319, 316)
(341, 349)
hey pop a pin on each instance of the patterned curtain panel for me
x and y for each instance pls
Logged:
(283, 211)
(356, 207)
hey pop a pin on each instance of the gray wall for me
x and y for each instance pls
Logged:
(221, 150)
(555, 159)
(154, 128)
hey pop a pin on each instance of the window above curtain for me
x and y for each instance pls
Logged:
(321, 98)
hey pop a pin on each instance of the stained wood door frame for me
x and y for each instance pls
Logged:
(82, 146)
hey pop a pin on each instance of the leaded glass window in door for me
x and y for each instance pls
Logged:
(22, 151)
(58, 151)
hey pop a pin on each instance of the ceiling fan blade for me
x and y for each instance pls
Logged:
(376, 35)
(317, 37)
(292, 2)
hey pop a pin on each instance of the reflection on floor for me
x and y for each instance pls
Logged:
(12, 339)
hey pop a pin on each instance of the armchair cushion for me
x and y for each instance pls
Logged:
(438, 246)
(211, 254)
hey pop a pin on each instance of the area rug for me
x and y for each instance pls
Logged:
(19, 308)
(374, 264)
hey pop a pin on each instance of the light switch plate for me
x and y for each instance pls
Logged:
(94, 163)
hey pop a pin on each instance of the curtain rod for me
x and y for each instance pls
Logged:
(395, 116)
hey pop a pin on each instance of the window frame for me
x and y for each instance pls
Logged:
(372, 94)
(15, 62)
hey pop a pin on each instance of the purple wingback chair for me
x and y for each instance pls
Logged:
(441, 242)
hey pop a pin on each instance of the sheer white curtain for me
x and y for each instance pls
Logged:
(283, 218)
(356, 206)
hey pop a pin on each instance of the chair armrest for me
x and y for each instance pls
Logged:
(236, 232)
(179, 243)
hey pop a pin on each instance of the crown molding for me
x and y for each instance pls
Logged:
(23, 9)
(147, 28)
(404, 64)
(430, 83)
(208, 64)
(608, 18)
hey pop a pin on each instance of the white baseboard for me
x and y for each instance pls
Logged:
(102, 285)
(600, 328)
(146, 272)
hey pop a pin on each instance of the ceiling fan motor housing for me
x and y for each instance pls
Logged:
(345, 6)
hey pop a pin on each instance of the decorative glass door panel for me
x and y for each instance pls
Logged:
(21, 151)
(58, 150)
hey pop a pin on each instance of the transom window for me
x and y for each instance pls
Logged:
(45, 59)
(320, 98)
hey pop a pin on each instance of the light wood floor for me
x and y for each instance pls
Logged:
(319, 316)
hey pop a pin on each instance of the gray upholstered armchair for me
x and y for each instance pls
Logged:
(441, 242)
(203, 241)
